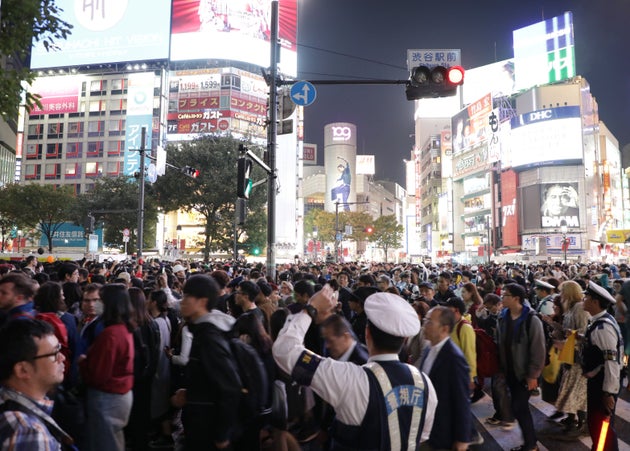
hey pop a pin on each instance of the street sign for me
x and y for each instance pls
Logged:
(433, 57)
(125, 239)
(303, 93)
(125, 232)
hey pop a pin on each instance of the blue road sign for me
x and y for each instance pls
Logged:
(303, 93)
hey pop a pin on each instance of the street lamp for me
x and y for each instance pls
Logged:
(565, 244)
(19, 237)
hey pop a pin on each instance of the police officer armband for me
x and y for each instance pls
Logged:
(610, 354)
(305, 367)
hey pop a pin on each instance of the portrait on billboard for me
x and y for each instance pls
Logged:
(341, 190)
(560, 202)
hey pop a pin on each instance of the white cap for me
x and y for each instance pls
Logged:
(178, 268)
(542, 283)
(125, 276)
(597, 291)
(392, 314)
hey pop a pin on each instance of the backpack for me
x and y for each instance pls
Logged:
(487, 352)
(254, 381)
(61, 332)
(146, 341)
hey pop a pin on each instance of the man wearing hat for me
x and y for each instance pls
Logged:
(385, 404)
(544, 293)
(427, 292)
(602, 350)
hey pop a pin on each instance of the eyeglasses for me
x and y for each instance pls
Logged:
(53, 356)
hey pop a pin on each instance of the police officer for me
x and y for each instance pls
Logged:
(602, 349)
(384, 404)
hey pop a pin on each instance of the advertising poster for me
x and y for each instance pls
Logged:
(470, 125)
(58, 94)
(559, 201)
(309, 154)
(139, 115)
(340, 150)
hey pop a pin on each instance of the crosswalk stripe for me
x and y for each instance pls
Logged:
(484, 408)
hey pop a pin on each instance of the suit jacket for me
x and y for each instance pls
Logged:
(359, 355)
(451, 380)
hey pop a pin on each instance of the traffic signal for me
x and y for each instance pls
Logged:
(429, 82)
(243, 178)
(88, 224)
(369, 230)
(191, 172)
(256, 250)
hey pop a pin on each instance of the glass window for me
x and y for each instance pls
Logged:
(74, 150)
(95, 149)
(34, 151)
(53, 171)
(53, 150)
(31, 171)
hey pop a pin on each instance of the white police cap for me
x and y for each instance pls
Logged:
(392, 314)
(597, 291)
(543, 284)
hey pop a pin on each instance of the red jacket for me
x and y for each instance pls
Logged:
(109, 363)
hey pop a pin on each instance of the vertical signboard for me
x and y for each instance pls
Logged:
(509, 210)
(559, 202)
(139, 115)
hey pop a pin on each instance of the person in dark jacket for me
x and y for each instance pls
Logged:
(211, 397)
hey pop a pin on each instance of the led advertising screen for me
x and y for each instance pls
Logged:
(233, 30)
(498, 77)
(559, 202)
(547, 137)
(108, 31)
(544, 52)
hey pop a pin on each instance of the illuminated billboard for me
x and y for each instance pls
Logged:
(58, 95)
(108, 32)
(365, 165)
(546, 137)
(216, 100)
(470, 126)
(233, 30)
(498, 77)
(544, 52)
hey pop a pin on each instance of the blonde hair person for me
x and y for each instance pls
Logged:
(572, 393)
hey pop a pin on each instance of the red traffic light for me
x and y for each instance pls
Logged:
(369, 230)
(455, 75)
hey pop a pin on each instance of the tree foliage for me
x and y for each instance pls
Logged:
(21, 22)
(323, 222)
(387, 233)
(40, 206)
(213, 193)
(114, 204)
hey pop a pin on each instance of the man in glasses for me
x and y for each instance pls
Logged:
(31, 367)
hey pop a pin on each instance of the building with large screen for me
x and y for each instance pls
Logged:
(186, 69)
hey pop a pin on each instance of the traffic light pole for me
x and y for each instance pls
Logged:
(140, 235)
(272, 133)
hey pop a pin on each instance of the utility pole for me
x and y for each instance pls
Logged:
(272, 133)
(140, 234)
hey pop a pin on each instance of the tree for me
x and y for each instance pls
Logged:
(387, 233)
(323, 222)
(41, 206)
(114, 204)
(213, 193)
(21, 22)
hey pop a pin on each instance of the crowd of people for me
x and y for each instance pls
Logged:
(150, 355)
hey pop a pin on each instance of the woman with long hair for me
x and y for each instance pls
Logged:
(107, 371)
(473, 301)
(572, 393)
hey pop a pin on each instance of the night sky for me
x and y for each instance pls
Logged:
(353, 39)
